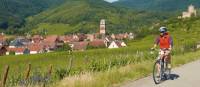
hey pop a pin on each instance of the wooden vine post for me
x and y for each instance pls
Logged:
(5, 76)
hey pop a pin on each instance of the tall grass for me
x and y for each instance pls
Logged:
(118, 75)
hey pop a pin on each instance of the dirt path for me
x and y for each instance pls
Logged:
(187, 76)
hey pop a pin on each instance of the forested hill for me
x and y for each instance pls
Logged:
(84, 16)
(158, 5)
(13, 12)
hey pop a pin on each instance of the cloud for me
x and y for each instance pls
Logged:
(111, 0)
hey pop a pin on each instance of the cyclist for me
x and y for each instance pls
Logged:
(165, 42)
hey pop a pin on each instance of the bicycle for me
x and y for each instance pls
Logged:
(164, 72)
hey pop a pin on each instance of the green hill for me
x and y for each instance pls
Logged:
(84, 16)
(158, 5)
(13, 12)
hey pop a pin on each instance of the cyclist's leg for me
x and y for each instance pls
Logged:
(162, 54)
(168, 58)
(169, 61)
(168, 64)
(158, 70)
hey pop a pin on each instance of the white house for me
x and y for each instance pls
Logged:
(36, 48)
(123, 44)
(116, 44)
(198, 45)
(17, 51)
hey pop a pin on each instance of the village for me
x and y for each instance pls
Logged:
(34, 44)
(75, 42)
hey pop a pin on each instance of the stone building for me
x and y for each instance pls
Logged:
(189, 13)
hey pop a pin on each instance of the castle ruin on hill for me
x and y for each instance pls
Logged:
(189, 13)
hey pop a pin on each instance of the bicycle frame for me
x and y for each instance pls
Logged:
(162, 67)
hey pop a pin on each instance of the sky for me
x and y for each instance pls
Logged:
(111, 0)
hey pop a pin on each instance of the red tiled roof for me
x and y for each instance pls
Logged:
(97, 43)
(50, 41)
(68, 38)
(51, 38)
(37, 38)
(16, 49)
(2, 38)
(35, 47)
(61, 38)
(80, 45)
(119, 36)
(82, 37)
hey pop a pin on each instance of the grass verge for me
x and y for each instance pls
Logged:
(116, 76)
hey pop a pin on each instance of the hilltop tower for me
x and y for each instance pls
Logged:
(102, 27)
(190, 12)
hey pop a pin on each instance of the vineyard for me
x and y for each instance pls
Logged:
(64, 64)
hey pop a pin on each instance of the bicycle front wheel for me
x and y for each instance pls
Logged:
(156, 73)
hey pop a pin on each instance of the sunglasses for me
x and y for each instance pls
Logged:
(162, 32)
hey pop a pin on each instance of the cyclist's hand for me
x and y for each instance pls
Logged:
(170, 49)
(153, 48)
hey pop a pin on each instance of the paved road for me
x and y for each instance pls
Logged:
(189, 76)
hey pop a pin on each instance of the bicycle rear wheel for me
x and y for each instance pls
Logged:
(167, 72)
(157, 76)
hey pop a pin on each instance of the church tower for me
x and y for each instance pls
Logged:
(103, 26)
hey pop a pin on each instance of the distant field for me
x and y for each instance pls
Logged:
(58, 29)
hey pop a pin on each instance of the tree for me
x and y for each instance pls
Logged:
(64, 47)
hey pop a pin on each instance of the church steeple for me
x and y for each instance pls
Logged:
(103, 26)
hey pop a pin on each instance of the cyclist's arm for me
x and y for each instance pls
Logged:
(156, 43)
(171, 43)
